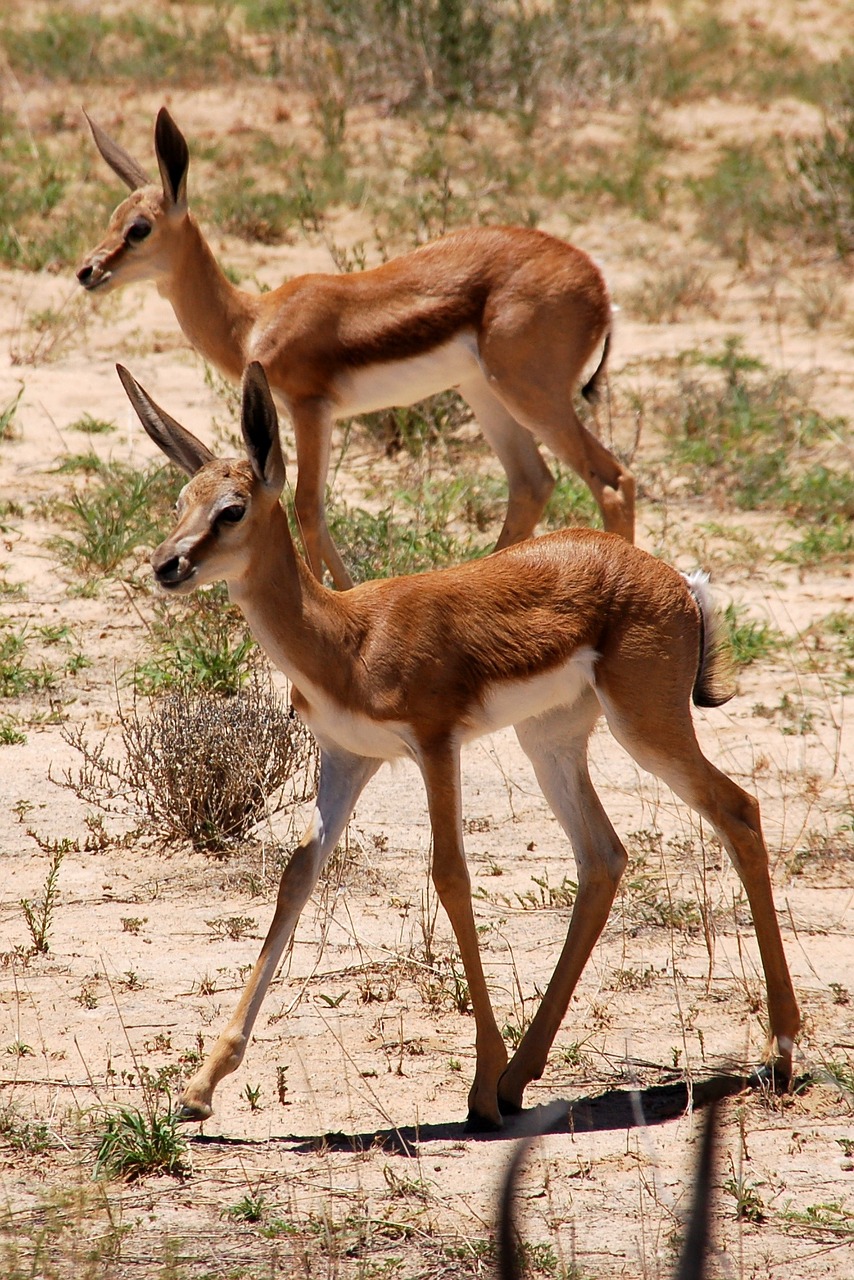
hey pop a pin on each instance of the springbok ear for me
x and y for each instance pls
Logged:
(123, 165)
(260, 425)
(179, 444)
(173, 157)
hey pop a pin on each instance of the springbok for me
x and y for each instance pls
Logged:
(546, 635)
(507, 315)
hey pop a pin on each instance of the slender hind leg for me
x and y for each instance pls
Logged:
(539, 396)
(673, 754)
(556, 745)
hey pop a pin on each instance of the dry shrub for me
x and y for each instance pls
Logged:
(201, 767)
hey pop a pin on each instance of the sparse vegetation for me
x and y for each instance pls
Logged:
(39, 915)
(199, 767)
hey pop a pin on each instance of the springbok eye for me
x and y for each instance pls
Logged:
(231, 515)
(138, 230)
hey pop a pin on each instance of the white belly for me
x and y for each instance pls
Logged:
(334, 725)
(507, 703)
(513, 701)
(404, 382)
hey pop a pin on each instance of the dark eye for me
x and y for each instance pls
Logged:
(138, 230)
(231, 515)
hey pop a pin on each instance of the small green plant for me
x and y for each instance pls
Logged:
(741, 198)
(92, 426)
(749, 640)
(412, 429)
(10, 734)
(133, 924)
(831, 1219)
(393, 542)
(39, 915)
(251, 1208)
(252, 1094)
(233, 927)
(749, 1205)
(548, 895)
(16, 677)
(202, 645)
(135, 1144)
(17, 1049)
(823, 173)
(23, 1135)
(736, 428)
(119, 509)
(7, 416)
(671, 292)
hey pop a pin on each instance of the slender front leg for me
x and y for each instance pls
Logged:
(312, 422)
(440, 767)
(342, 779)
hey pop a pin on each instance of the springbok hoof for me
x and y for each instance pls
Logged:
(192, 1112)
(771, 1076)
(476, 1123)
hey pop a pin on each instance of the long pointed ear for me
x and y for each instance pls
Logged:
(123, 165)
(260, 425)
(179, 444)
(173, 157)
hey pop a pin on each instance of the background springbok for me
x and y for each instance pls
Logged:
(547, 636)
(508, 316)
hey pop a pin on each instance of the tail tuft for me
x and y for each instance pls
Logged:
(715, 682)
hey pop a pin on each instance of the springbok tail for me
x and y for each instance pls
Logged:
(715, 682)
(590, 390)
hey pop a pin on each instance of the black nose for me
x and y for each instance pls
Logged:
(169, 570)
(84, 274)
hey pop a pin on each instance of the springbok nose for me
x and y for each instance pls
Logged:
(171, 570)
(85, 274)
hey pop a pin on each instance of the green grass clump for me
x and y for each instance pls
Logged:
(411, 429)
(823, 176)
(7, 416)
(119, 509)
(136, 1144)
(746, 432)
(17, 678)
(749, 640)
(411, 536)
(201, 644)
(739, 200)
(453, 53)
(77, 45)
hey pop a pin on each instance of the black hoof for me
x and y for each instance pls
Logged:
(481, 1124)
(508, 1108)
(772, 1077)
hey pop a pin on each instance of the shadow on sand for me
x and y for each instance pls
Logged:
(614, 1109)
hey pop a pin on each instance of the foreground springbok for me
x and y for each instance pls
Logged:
(507, 316)
(547, 636)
